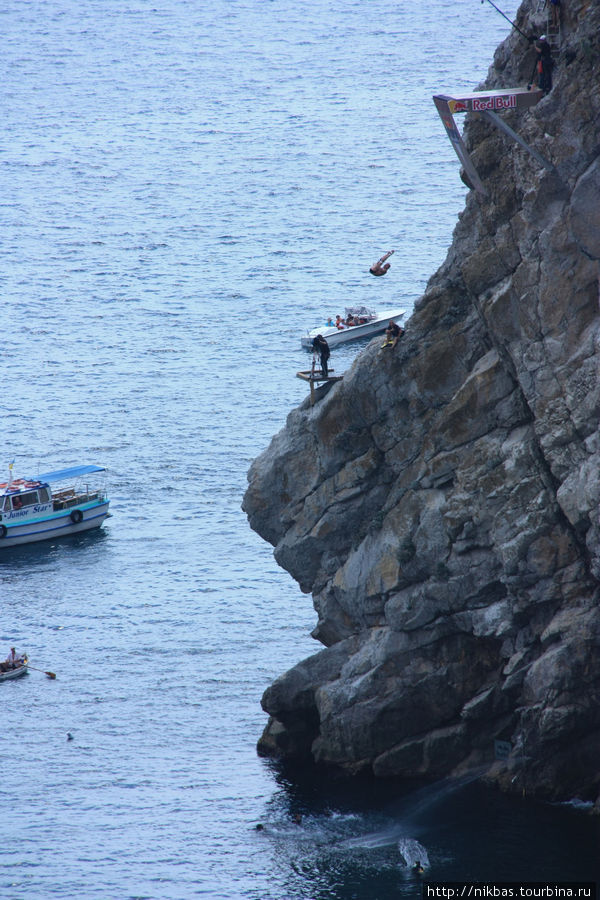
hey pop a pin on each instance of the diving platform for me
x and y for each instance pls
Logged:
(488, 104)
(315, 377)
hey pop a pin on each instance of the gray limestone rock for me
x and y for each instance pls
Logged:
(446, 519)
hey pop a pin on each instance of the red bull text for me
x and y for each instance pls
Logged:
(484, 103)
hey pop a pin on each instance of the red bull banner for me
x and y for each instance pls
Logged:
(488, 103)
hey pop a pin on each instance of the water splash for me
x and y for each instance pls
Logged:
(375, 839)
(414, 808)
(422, 800)
(412, 852)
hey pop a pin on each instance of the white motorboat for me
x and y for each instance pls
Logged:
(369, 324)
(30, 510)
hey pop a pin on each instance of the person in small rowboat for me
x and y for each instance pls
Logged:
(12, 661)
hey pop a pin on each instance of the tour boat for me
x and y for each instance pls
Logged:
(30, 510)
(371, 323)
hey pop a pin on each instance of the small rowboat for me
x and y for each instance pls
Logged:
(16, 672)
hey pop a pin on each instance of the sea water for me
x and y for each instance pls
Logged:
(187, 188)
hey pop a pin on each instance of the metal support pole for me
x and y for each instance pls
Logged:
(501, 124)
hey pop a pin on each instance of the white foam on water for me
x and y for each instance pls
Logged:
(412, 852)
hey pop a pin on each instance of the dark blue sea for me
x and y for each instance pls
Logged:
(187, 187)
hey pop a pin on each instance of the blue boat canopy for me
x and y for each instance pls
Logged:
(72, 472)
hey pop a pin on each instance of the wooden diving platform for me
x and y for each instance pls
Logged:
(315, 376)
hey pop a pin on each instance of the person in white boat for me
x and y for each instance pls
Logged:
(339, 323)
(379, 268)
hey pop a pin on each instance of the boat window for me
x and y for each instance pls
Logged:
(44, 495)
(21, 500)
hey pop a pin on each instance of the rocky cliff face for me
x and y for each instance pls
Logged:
(442, 501)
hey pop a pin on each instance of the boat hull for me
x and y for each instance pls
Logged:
(335, 337)
(56, 525)
(13, 673)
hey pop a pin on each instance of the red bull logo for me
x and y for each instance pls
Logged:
(485, 103)
(456, 106)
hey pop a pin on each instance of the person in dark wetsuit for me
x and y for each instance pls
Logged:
(545, 64)
(379, 268)
(321, 347)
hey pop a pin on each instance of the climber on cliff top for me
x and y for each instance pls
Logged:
(545, 64)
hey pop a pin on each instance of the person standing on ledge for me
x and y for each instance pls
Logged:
(545, 64)
(379, 268)
(321, 347)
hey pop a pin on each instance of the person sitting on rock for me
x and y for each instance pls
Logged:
(393, 333)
